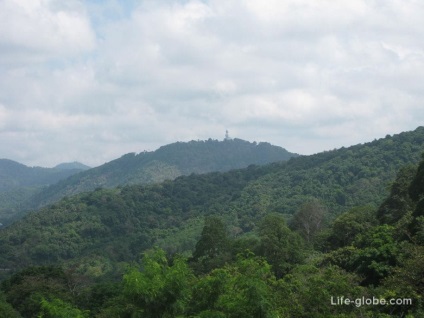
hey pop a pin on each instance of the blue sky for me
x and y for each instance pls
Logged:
(92, 80)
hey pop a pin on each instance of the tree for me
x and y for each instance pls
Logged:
(399, 201)
(308, 290)
(6, 310)
(373, 254)
(213, 248)
(159, 289)
(351, 223)
(407, 281)
(416, 191)
(213, 240)
(377, 253)
(416, 188)
(281, 247)
(239, 290)
(308, 220)
(25, 290)
(57, 308)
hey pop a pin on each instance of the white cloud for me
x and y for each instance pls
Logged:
(38, 30)
(306, 75)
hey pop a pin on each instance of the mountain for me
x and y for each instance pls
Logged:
(166, 163)
(14, 174)
(19, 182)
(28, 188)
(115, 225)
(72, 165)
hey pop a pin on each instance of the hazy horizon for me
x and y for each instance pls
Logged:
(231, 137)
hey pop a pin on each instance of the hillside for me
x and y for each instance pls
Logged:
(117, 224)
(19, 182)
(166, 163)
(14, 174)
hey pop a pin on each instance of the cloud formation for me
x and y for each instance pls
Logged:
(90, 80)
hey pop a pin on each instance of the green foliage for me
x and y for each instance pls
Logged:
(308, 290)
(213, 240)
(348, 225)
(97, 297)
(419, 228)
(94, 234)
(236, 291)
(57, 308)
(407, 280)
(6, 309)
(416, 191)
(416, 188)
(26, 289)
(15, 175)
(18, 183)
(398, 202)
(118, 224)
(166, 163)
(213, 248)
(309, 219)
(249, 241)
(159, 289)
(378, 253)
(373, 254)
(281, 247)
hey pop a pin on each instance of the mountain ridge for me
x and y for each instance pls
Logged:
(167, 163)
(15, 174)
(117, 224)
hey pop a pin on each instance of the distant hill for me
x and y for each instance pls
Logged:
(116, 225)
(18, 182)
(14, 174)
(166, 163)
(72, 165)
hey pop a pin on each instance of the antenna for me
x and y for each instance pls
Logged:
(227, 136)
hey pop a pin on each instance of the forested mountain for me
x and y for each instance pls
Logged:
(167, 163)
(23, 188)
(119, 222)
(14, 174)
(282, 240)
(19, 182)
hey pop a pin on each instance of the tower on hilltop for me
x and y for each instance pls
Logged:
(227, 136)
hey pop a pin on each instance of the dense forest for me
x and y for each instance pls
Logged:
(166, 163)
(289, 239)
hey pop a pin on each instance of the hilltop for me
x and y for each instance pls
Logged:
(166, 163)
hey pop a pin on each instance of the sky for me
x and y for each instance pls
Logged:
(92, 80)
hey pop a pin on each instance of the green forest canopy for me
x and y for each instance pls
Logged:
(365, 239)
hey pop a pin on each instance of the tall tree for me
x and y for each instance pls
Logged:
(416, 191)
(212, 250)
(399, 201)
(281, 247)
(308, 220)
